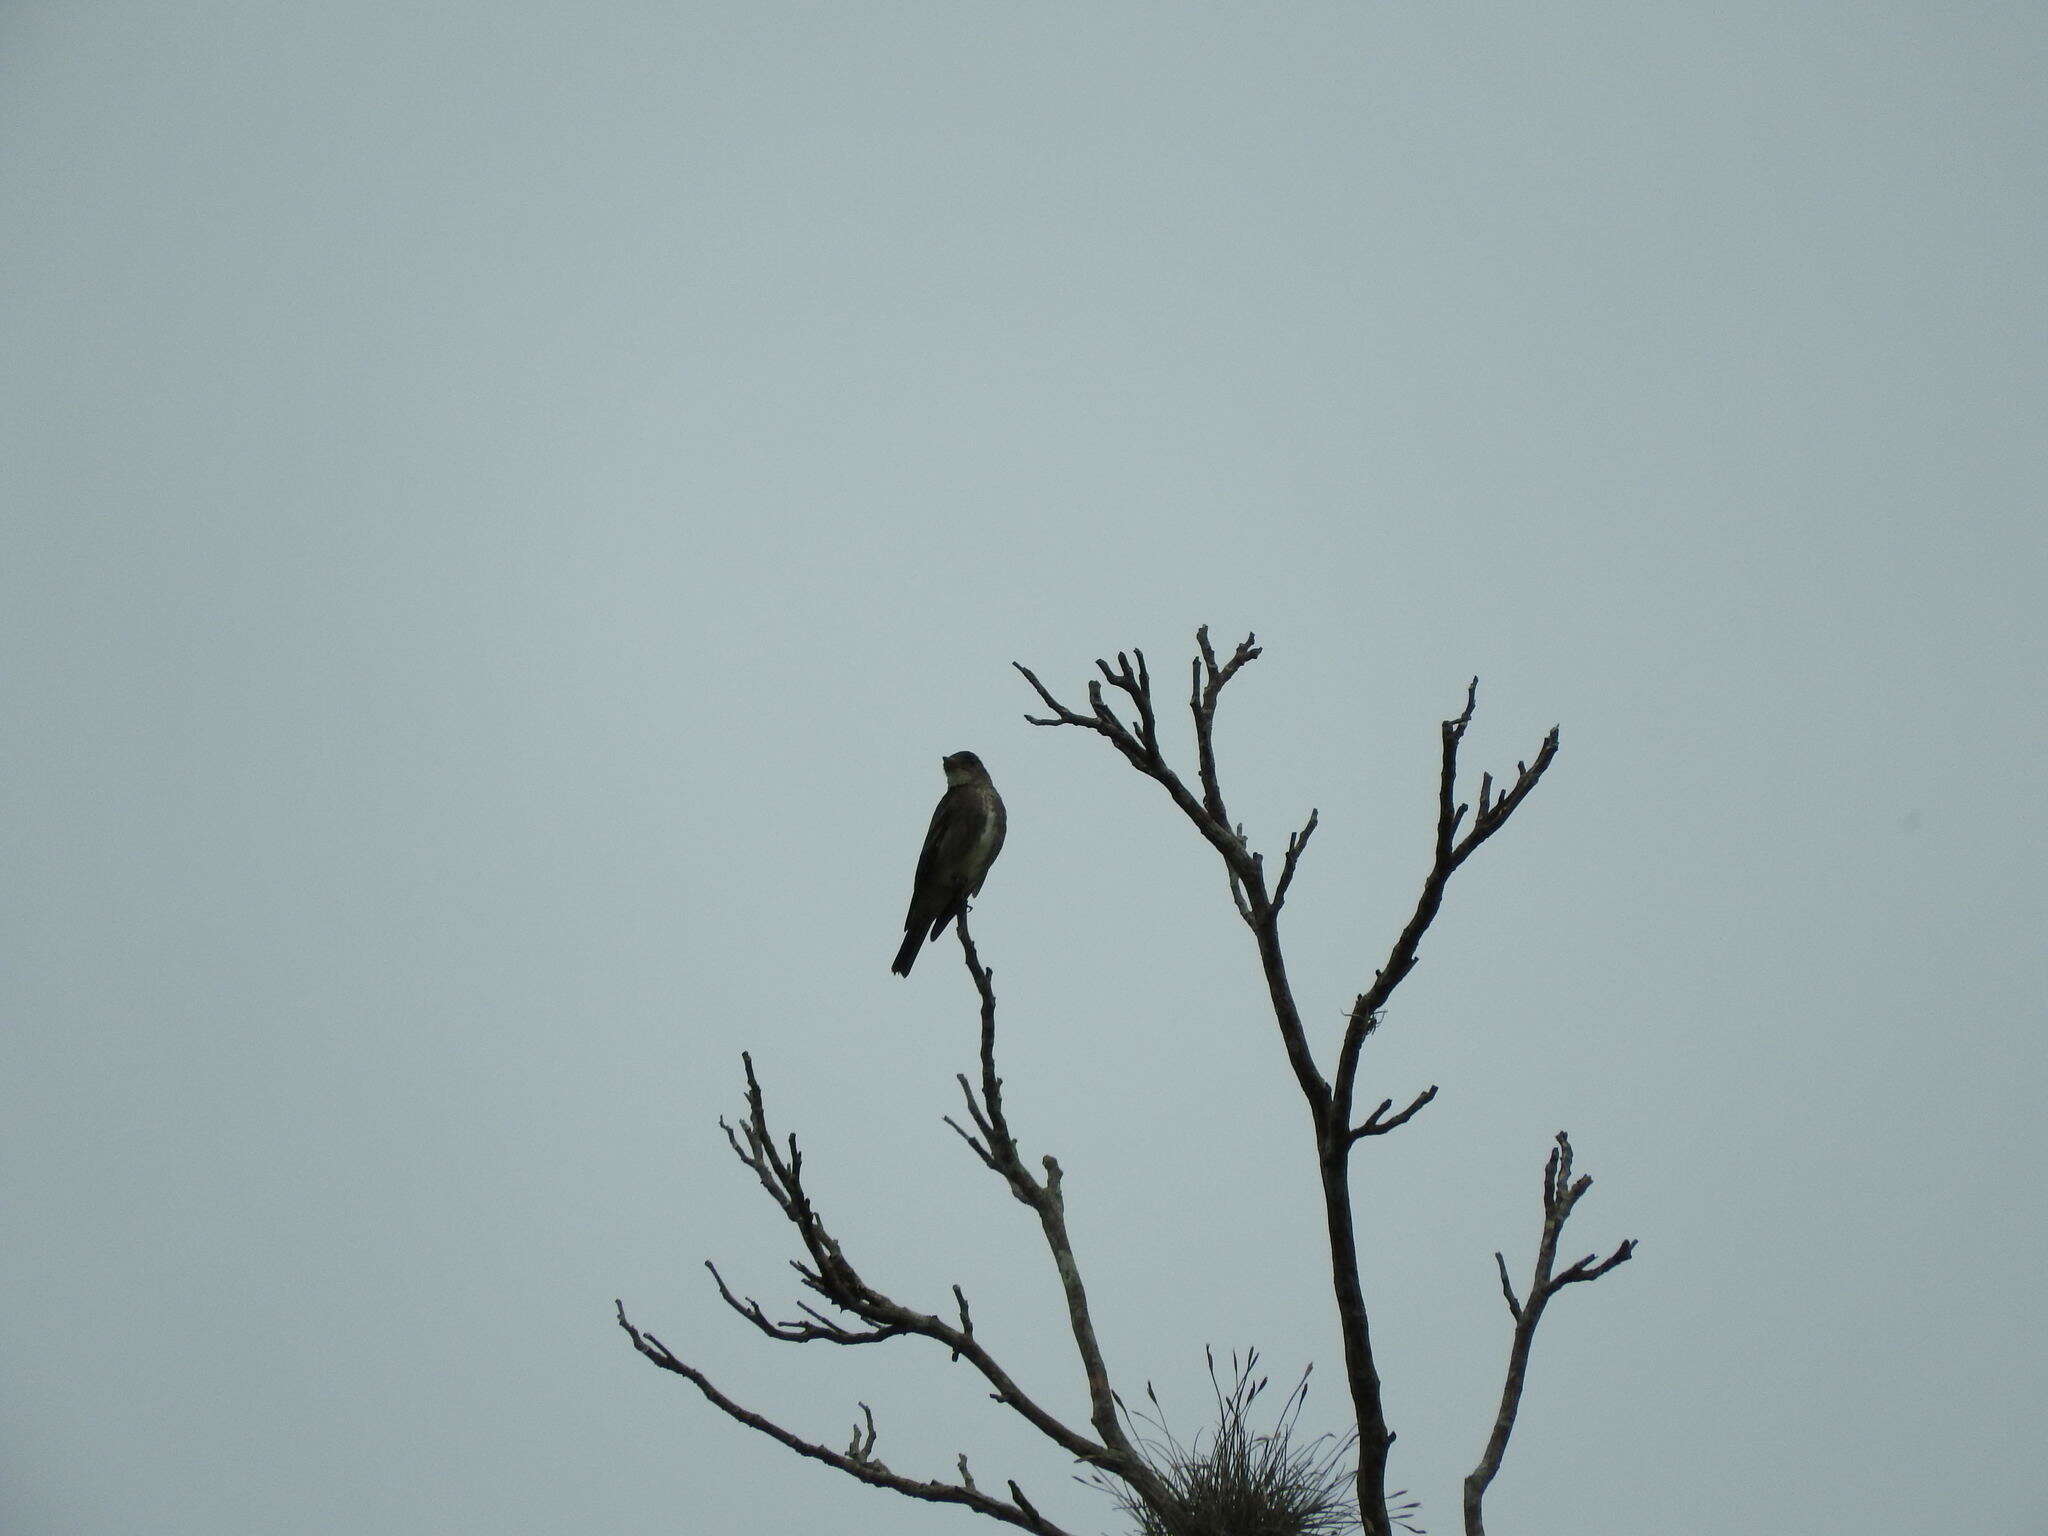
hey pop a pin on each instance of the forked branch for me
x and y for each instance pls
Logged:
(1451, 850)
(997, 1148)
(1378, 1123)
(1140, 746)
(778, 1165)
(1561, 1192)
(1244, 870)
(858, 1459)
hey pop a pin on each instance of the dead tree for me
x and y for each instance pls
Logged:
(1333, 1115)
(1332, 1100)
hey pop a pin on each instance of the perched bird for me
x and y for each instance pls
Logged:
(965, 836)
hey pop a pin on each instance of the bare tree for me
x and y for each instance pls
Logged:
(1338, 1129)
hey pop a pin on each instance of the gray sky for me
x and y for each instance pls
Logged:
(508, 504)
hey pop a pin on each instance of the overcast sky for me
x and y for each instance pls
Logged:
(507, 505)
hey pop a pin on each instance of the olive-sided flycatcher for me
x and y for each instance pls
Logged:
(965, 836)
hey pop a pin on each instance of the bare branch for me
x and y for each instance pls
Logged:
(1143, 753)
(1047, 1200)
(1138, 684)
(1451, 851)
(1061, 715)
(1373, 1125)
(834, 1277)
(1022, 1502)
(1297, 845)
(1507, 1286)
(1240, 899)
(1209, 681)
(966, 1315)
(820, 1328)
(1561, 1192)
(973, 1142)
(858, 1459)
(1243, 869)
(862, 1447)
(1587, 1269)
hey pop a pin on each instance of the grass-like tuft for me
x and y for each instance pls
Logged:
(1234, 1480)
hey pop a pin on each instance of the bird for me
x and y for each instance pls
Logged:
(962, 842)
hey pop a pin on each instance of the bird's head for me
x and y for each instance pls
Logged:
(964, 768)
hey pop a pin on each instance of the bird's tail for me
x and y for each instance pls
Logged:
(913, 941)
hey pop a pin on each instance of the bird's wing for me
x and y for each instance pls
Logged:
(946, 843)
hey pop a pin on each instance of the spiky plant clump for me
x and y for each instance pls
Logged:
(1233, 1480)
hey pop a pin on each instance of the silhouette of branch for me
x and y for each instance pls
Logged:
(998, 1150)
(1244, 869)
(1141, 749)
(778, 1165)
(858, 1459)
(1561, 1192)
(1373, 1125)
(1451, 851)
(1297, 845)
